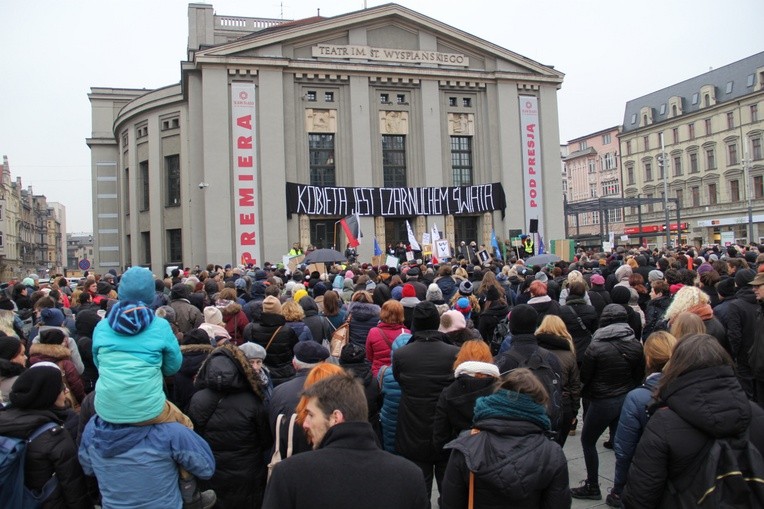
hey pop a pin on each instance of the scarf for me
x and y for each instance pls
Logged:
(129, 317)
(510, 404)
(704, 311)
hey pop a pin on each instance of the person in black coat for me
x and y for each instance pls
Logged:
(319, 328)
(228, 412)
(660, 299)
(613, 365)
(598, 295)
(39, 398)
(494, 309)
(195, 349)
(423, 368)
(278, 339)
(514, 463)
(697, 388)
(347, 468)
(579, 317)
(741, 328)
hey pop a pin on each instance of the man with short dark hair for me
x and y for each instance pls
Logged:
(347, 468)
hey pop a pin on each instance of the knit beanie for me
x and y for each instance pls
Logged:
(620, 295)
(465, 288)
(319, 289)
(137, 284)
(6, 304)
(196, 337)
(178, 291)
(52, 317)
(272, 305)
(409, 290)
(464, 306)
(452, 320)
(397, 292)
(523, 319)
(9, 347)
(654, 275)
(252, 351)
(310, 352)
(425, 317)
(299, 294)
(726, 287)
(743, 277)
(434, 293)
(597, 279)
(38, 387)
(129, 318)
(213, 315)
(704, 267)
(166, 312)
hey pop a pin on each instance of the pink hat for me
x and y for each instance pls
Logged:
(597, 279)
(349, 274)
(452, 320)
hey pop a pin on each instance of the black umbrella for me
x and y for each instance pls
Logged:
(542, 259)
(324, 256)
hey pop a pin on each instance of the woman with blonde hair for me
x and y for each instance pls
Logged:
(631, 424)
(475, 376)
(293, 313)
(693, 300)
(685, 324)
(574, 276)
(554, 336)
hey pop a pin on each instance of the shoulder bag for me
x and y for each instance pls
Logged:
(273, 336)
(276, 458)
(340, 338)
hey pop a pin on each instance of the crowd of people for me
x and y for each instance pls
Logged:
(217, 387)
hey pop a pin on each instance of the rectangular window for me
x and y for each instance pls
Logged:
(461, 160)
(172, 171)
(732, 154)
(466, 102)
(646, 142)
(754, 113)
(611, 187)
(710, 159)
(707, 122)
(630, 175)
(321, 156)
(729, 87)
(606, 139)
(174, 246)
(394, 160)
(675, 132)
(680, 197)
(311, 96)
(593, 190)
(592, 165)
(126, 192)
(695, 196)
(694, 162)
(146, 245)
(400, 99)
(650, 205)
(452, 101)
(144, 171)
(648, 172)
(582, 145)
(712, 197)
(756, 148)
(663, 109)
(384, 98)
(329, 97)
(677, 166)
(628, 148)
(734, 191)
(692, 131)
(695, 98)
(609, 161)
(758, 187)
(730, 120)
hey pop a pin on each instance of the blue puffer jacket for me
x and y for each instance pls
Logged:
(363, 318)
(391, 392)
(131, 365)
(630, 427)
(138, 465)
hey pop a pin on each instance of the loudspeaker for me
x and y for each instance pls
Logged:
(534, 226)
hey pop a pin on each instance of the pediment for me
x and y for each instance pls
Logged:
(387, 34)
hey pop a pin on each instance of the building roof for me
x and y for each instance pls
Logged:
(742, 75)
(580, 153)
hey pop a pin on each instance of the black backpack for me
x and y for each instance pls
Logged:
(499, 334)
(551, 380)
(729, 474)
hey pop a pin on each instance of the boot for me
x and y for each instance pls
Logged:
(193, 498)
(613, 499)
(587, 490)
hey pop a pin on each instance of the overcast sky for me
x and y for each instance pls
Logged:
(610, 51)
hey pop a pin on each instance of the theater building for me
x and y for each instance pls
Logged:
(278, 129)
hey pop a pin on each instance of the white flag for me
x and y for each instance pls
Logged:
(412, 239)
(435, 235)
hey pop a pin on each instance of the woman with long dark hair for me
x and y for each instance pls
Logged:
(700, 400)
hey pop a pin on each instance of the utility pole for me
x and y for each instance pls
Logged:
(664, 170)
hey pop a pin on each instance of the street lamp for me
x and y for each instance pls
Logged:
(748, 189)
(664, 170)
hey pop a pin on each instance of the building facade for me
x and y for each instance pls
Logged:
(591, 172)
(700, 139)
(277, 130)
(31, 230)
(79, 249)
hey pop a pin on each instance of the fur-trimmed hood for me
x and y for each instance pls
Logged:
(231, 309)
(191, 349)
(57, 352)
(227, 370)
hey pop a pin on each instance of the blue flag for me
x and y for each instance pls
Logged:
(541, 244)
(377, 249)
(495, 244)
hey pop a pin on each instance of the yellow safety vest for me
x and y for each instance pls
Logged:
(528, 246)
